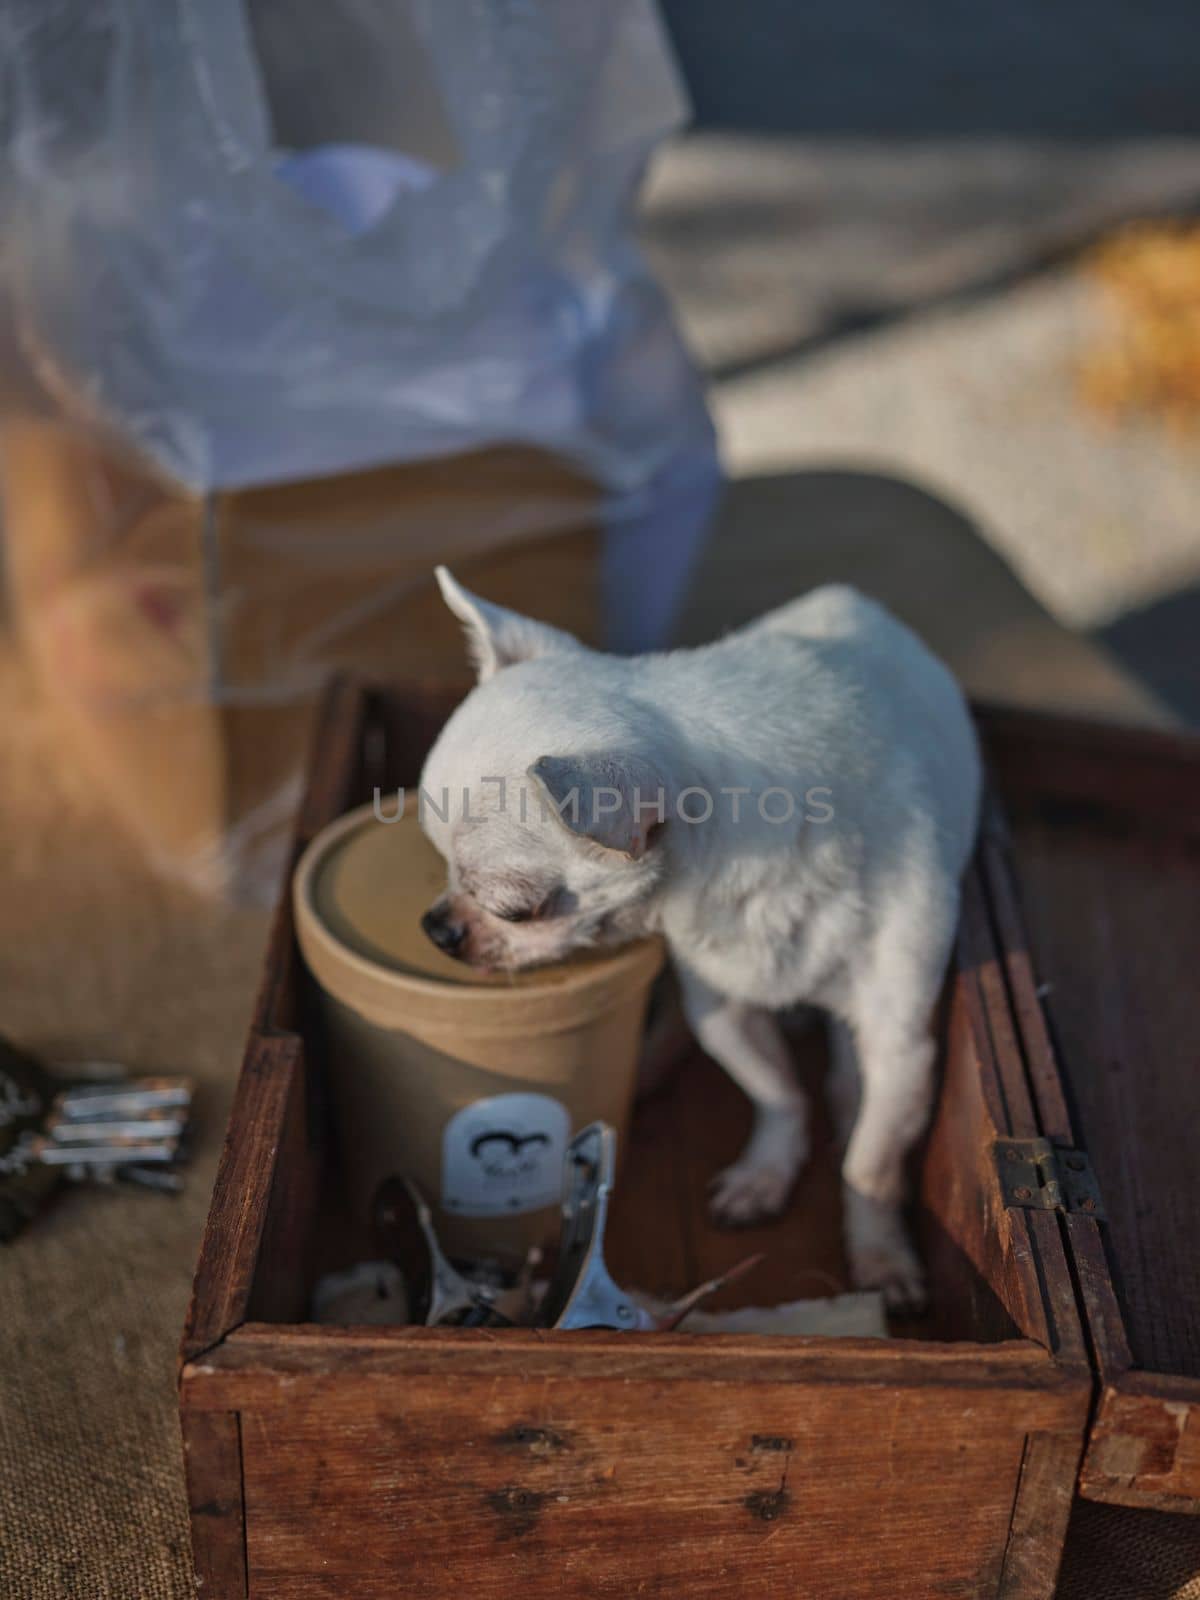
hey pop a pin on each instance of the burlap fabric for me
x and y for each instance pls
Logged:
(97, 958)
(1117, 1554)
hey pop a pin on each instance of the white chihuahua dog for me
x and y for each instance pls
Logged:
(791, 808)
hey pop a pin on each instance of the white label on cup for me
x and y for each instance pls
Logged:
(504, 1155)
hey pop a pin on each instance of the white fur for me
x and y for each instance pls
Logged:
(854, 914)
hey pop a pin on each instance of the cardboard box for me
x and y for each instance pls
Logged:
(186, 640)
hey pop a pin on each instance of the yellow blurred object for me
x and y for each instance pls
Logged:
(185, 640)
(1150, 273)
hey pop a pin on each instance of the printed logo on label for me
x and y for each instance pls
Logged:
(504, 1155)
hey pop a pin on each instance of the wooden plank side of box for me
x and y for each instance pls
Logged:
(599, 1464)
(212, 1460)
(1103, 869)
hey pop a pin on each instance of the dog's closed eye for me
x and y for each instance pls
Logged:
(519, 914)
(550, 905)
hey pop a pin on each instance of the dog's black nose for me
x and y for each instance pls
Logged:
(446, 935)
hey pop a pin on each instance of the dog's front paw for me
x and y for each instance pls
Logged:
(749, 1191)
(880, 1253)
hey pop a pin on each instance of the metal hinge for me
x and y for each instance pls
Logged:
(1040, 1176)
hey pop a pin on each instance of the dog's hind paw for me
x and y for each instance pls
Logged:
(880, 1253)
(901, 1281)
(749, 1191)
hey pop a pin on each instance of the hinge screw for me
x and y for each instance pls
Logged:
(1087, 1204)
(1011, 1155)
(1023, 1193)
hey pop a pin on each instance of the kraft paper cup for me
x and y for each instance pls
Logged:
(470, 1084)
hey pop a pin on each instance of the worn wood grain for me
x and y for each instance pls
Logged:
(1003, 1070)
(1084, 1235)
(264, 1365)
(975, 1290)
(1105, 838)
(246, 1175)
(651, 1183)
(1092, 769)
(1040, 1516)
(1144, 1445)
(618, 1486)
(284, 1260)
(334, 777)
(1016, 1266)
(661, 1236)
(409, 723)
(1118, 924)
(212, 1459)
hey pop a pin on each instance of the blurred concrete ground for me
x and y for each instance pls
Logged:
(871, 240)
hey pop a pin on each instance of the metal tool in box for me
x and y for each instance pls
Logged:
(439, 1295)
(583, 1293)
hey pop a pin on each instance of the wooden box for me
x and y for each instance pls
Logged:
(1062, 1352)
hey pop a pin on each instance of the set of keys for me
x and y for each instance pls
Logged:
(86, 1123)
(128, 1130)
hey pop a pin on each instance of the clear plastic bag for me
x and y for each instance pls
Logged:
(243, 314)
(253, 244)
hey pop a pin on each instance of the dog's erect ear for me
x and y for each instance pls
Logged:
(619, 802)
(497, 638)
